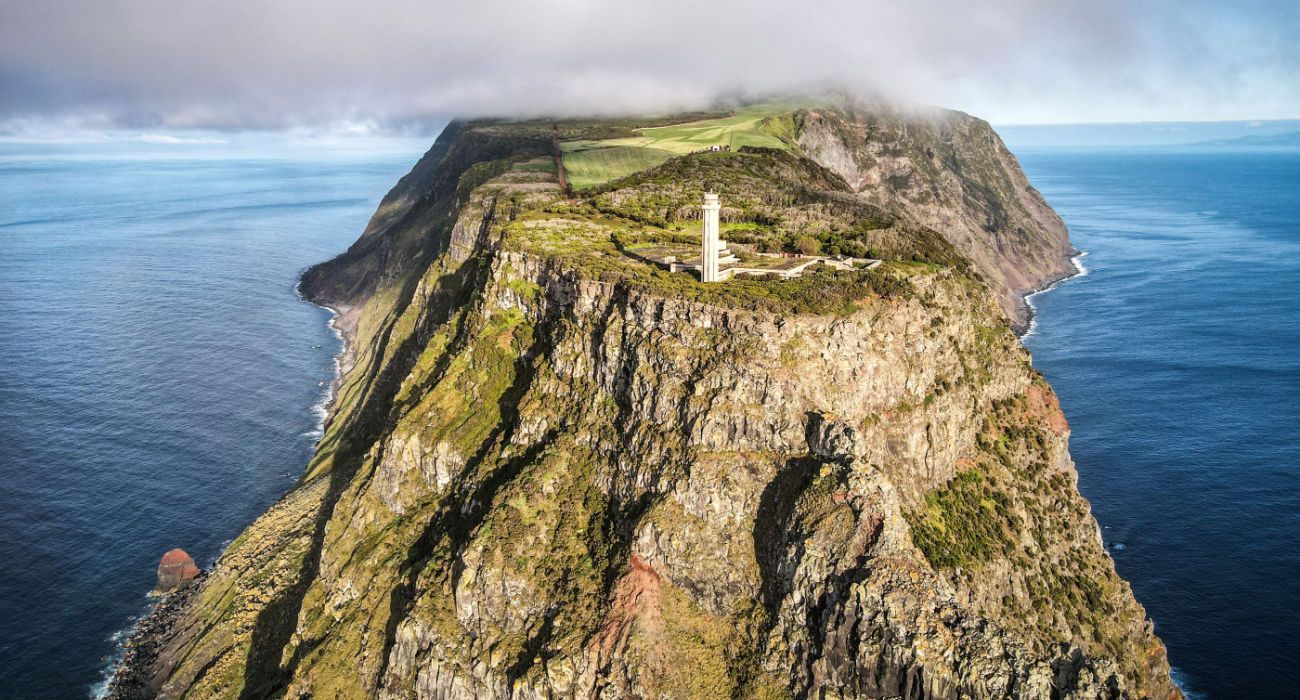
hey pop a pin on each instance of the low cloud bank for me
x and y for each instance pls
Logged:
(399, 66)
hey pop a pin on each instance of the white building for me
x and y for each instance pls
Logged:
(713, 250)
(717, 263)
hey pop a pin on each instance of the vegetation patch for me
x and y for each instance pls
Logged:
(767, 125)
(965, 522)
(593, 163)
(589, 162)
(543, 164)
(693, 651)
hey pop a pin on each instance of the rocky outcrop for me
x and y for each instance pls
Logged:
(951, 172)
(175, 570)
(145, 655)
(553, 471)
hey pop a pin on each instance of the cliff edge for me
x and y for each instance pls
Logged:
(555, 469)
(951, 172)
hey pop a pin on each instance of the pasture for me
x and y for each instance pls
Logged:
(591, 163)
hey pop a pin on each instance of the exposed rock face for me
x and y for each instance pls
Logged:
(135, 679)
(951, 172)
(175, 570)
(553, 473)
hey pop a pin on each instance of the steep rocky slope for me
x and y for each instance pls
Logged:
(553, 470)
(951, 172)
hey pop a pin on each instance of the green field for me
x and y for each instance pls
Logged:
(591, 163)
(588, 165)
(765, 125)
(545, 164)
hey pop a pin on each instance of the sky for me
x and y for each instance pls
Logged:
(167, 67)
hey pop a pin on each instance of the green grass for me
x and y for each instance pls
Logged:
(590, 163)
(544, 164)
(589, 166)
(757, 125)
(964, 522)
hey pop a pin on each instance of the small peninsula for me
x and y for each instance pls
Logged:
(560, 464)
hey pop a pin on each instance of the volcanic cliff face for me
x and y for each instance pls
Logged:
(555, 470)
(951, 172)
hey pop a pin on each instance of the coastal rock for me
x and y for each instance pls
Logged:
(951, 172)
(176, 570)
(553, 471)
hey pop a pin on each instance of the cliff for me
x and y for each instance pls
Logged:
(950, 172)
(553, 470)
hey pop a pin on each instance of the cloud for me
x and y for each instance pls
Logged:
(399, 65)
(173, 140)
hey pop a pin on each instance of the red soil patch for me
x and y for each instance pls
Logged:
(1043, 405)
(636, 599)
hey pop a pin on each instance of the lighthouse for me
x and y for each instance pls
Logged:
(712, 247)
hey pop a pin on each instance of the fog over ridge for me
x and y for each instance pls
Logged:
(399, 65)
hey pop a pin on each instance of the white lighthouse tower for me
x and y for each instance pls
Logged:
(712, 247)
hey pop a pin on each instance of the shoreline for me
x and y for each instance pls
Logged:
(147, 641)
(143, 640)
(1176, 675)
(343, 359)
(1079, 271)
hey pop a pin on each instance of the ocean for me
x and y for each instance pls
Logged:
(1177, 361)
(162, 381)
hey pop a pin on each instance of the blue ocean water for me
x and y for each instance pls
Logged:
(159, 372)
(1177, 360)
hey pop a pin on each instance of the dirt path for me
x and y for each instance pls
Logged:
(558, 155)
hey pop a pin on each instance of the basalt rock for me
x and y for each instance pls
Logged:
(951, 172)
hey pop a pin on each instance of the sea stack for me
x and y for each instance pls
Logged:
(175, 571)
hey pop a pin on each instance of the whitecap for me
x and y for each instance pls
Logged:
(320, 409)
(1180, 680)
(1080, 270)
(113, 660)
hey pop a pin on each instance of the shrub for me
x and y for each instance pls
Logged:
(807, 245)
(964, 522)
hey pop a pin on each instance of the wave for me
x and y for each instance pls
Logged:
(1080, 270)
(113, 661)
(40, 221)
(264, 206)
(1180, 680)
(321, 408)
